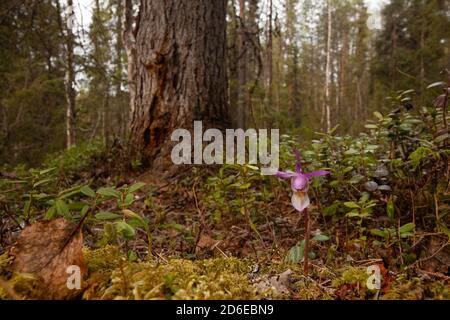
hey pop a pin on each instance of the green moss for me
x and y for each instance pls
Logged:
(404, 289)
(103, 259)
(222, 278)
(354, 280)
(439, 290)
(5, 260)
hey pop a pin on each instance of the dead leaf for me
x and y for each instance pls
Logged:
(205, 243)
(47, 249)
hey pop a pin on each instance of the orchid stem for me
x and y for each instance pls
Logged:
(306, 249)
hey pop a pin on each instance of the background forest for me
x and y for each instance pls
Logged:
(361, 92)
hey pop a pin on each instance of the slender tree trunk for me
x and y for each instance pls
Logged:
(242, 66)
(129, 39)
(270, 56)
(70, 79)
(233, 56)
(328, 72)
(121, 112)
(180, 73)
(105, 116)
(422, 61)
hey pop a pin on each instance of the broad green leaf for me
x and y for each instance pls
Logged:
(407, 227)
(108, 192)
(129, 199)
(379, 233)
(105, 215)
(357, 178)
(378, 115)
(61, 208)
(84, 210)
(135, 187)
(295, 254)
(321, 237)
(352, 214)
(50, 214)
(125, 229)
(442, 138)
(137, 223)
(351, 205)
(87, 191)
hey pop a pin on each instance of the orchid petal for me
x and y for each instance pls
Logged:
(285, 175)
(299, 183)
(300, 200)
(316, 173)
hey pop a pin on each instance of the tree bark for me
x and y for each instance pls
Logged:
(269, 56)
(242, 66)
(121, 112)
(180, 73)
(70, 80)
(328, 71)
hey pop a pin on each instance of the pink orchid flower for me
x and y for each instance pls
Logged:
(300, 183)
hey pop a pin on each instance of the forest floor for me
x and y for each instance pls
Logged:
(230, 261)
(198, 257)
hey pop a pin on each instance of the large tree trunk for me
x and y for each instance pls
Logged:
(180, 73)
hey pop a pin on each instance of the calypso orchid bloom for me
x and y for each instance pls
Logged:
(300, 183)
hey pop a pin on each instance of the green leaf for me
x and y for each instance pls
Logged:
(351, 152)
(135, 187)
(133, 215)
(295, 254)
(321, 237)
(442, 138)
(407, 227)
(331, 210)
(129, 199)
(125, 229)
(105, 215)
(61, 208)
(378, 115)
(379, 233)
(371, 126)
(352, 214)
(42, 182)
(357, 178)
(47, 171)
(26, 208)
(50, 214)
(137, 223)
(245, 186)
(351, 205)
(436, 84)
(390, 209)
(84, 210)
(108, 192)
(87, 191)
